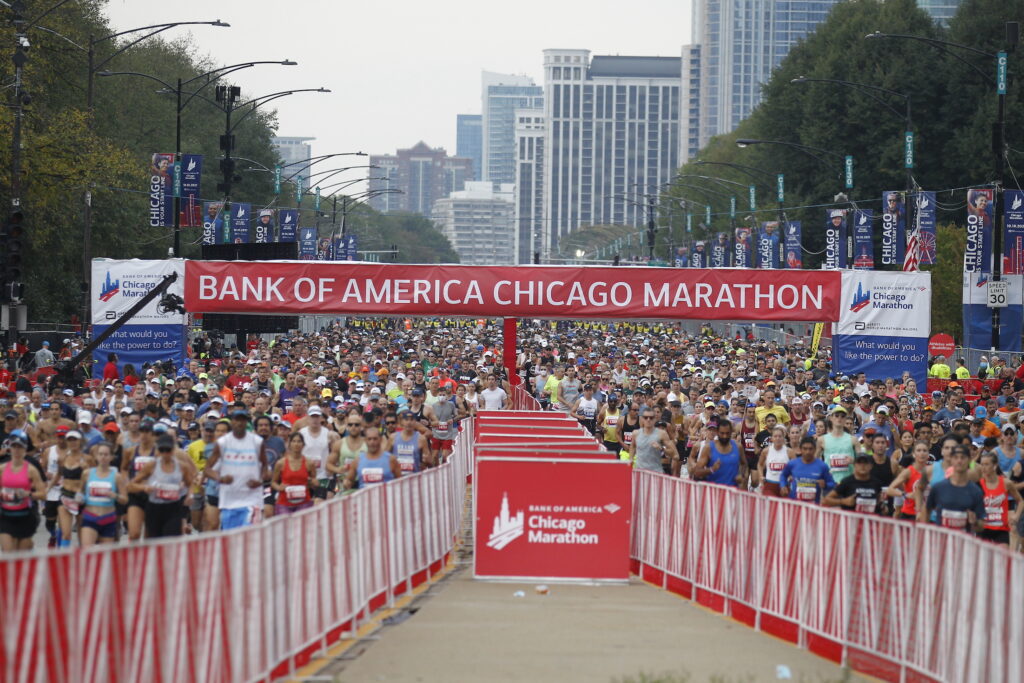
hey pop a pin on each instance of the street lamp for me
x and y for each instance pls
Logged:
(211, 76)
(347, 205)
(998, 132)
(814, 152)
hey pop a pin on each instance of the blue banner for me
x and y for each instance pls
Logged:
(794, 245)
(307, 244)
(863, 240)
(289, 219)
(926, 220)
(682, 257)
(1013, 214)
(263, 230)
(351, 248)
(721, 251)
(240, 223)
(191, 205)
(213, 222)
(894, 228)
(768, 245)
(138, 344)
(978, 316)
(161, 191)
(978, 252)
(323, 249)
(835, 240)
(744, 249)
(698, 259)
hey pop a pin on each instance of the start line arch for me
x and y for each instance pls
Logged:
(883, 318)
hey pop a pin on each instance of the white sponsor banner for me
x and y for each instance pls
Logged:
(976, 289)
(117, 285)
(885, 304)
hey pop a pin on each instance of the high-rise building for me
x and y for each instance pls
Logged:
(741, 42)
(293, 151)
(689, 104)
(478, 221)
(941, 10)
(529, 188)
(611, 136)
(424, 174)
(469, 141)
(502, 94)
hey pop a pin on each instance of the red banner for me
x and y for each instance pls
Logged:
(552, 519)
(289, 287)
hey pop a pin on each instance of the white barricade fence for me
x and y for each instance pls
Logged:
(892, 599)
(521, 399)
(247, 605)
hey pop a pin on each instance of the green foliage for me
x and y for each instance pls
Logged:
(947, 280)
(417, 238)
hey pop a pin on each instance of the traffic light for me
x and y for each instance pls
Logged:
(11, 234)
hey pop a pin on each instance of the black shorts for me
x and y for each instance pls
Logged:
(50, 509)
(325, 486)
(212, 500)
(19, 526)
(751, 461)
(613, 447)
(269, 495)
(995, 536)
(164, 519)
(139, 500)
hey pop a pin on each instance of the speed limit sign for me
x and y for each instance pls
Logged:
(998, 293)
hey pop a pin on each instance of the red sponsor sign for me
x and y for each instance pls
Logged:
(941, 345)
(540, 519)
(290, 287)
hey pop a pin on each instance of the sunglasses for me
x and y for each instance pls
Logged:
(355, 424)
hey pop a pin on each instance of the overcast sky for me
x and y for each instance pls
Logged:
(400, 71)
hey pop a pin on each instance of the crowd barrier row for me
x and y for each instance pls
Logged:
(247, 605)
(895, 600)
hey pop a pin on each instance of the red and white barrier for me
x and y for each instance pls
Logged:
(246, 605)
(898, 601)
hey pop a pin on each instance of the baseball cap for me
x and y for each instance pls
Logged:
(882, 409)
(62, 430)
(17, 438)
(1009, 429)
(240, 413)
(217, 398)
(863, 457)
(981, 411)
(84, 417)
(839, 409)
(315, 410)
(68, 392)
(416, 392)
(74, 434)
(111, 427)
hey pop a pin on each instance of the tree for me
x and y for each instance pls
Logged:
(947, 280)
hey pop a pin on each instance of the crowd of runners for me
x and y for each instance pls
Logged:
(238, 435)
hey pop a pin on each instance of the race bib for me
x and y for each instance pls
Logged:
(627, 438)
(611, 420)
(9, 495)
(373, 475)
(407, 463)
(100, 489)
(866, 505)
(748, 443)
(806, 491)
(143, 460)
(442, 426)
(954, 519)
(994, 516)
(776, 466)
(167, 492)
(295, 494)
(70, 504)
(840, 462)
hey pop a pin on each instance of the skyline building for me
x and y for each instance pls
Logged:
(529, 185)
(478, 221)
(469, 141)
(501, 95)
(292, 149)
(689, 105)
(611, 136)
(424, 174)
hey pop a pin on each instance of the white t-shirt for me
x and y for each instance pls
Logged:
(240, 458)
(494, 399)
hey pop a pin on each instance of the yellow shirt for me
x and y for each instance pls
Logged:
(940, 371)
(197, 451)
(963, 373)
(778, 411)
(551, 386)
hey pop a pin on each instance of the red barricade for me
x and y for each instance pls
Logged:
(246, 605)
(894, 600)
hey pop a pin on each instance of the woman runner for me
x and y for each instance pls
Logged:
(997, 491)
(292, 478)
(20, 487)
(103, 486)
(69, 469)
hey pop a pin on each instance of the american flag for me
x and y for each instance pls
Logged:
(912, 260)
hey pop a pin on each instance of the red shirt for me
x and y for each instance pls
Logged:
(110, 372)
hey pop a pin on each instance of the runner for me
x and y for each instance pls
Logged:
(608, 424)
(720, 461)
(649, 445)
(375, 465)
(996, 492)
(239, 463)
(629, 424)
(104, 485)
(955, 502)
(70, 468)
(143, 455)
(444, 428)
(293, 478)
(319, 444)
(859, 492)
(838, 447)
(197, 451)
(20, 486)
(409, 446)
(912, 480)
(52, 457)
(806, 478)
(746, 433)
(353, 445)
(585, 409)
(493, 397)
(165, 482)
(773, 460)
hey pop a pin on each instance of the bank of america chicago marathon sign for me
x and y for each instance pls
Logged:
(290, 287)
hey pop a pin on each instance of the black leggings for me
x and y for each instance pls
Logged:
(163, 519)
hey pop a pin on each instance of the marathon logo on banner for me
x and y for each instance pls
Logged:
(926, 221)
(559, 292)
(863, 239)
(240, 223)
(894, 228)
(884, 324)
(977, 316)
(744, 247)
(263, 231)
(191, 174)
(698, 259)
(1013, 213)
(768, 245)
(721, 251)
(835, 238)
(307, 244)
(794, 245)
(213, 222)
(289, 221)
(161, 190)
(351, 248)
(118, 284)
(978, 252)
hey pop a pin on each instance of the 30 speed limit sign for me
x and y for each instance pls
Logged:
(998, 293)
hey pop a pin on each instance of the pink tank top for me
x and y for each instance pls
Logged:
(11, 481)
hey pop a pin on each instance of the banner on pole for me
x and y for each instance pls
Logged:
(191, 174)
(978, 252)
(978, 316)
(794, 245)
(768, 245)
(289, 221)
(744, 249)
(1013, 214)
(698, 259)
(721, 251)
(835, 240)
(894, 228)
(263, 231)
(240, 223)
(863, 239)
(213, 222)
(161, 190)
(926, 241)
(307, 244)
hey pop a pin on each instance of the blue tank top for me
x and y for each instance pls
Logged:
(370, 471)
(730, 467)
(95, 484)
(407, 452)
(938, 474)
